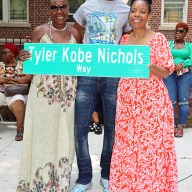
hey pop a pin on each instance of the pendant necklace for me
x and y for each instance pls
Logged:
(107, 11)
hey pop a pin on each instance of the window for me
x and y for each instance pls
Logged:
(174, 11)
(13, 11)
(1, 13)
(73, 6)
(18, 10)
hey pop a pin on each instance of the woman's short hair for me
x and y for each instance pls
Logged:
(182, 25)
(12, 47)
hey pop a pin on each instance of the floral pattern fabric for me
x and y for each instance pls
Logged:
(48, 144)
(56, 180)
(144, 157)
(13, 71)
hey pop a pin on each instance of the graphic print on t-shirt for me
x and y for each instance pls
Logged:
(102, 28)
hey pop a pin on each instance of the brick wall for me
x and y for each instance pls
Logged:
(38, 14)
(155, 21)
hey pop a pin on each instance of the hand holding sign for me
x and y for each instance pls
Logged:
(88, 60)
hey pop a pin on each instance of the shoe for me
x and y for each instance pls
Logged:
(98, 128)
(81, 188)
(105, 184)
(179, 131)
(19, 135)
(91, 127)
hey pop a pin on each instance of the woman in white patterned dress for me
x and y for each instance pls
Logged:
(48, 146)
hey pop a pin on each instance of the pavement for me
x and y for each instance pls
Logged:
(10, 154)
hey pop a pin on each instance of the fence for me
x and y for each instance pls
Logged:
(17, 41)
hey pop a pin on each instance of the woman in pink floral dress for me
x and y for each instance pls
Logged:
(144, 157)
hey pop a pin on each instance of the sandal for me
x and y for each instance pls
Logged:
(175, 130)
(179, 131)
(98, 128)
(19, 135)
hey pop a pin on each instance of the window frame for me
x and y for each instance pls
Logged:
(6, 21)
(185, 12)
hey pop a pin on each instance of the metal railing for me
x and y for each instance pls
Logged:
(18, 14)
(17, 41)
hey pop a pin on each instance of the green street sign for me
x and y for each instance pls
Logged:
(88, 60)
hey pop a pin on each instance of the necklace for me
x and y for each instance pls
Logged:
(107, 11)
(59, 29)
(51, 27)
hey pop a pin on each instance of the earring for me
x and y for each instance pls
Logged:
(49, 21)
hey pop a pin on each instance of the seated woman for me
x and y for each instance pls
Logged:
(11, 73)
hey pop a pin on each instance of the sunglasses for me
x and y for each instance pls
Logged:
(179, 30)
(55, 8)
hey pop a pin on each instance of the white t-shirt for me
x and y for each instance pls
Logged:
(105, 21)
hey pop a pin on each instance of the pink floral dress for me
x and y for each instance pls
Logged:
(144, 157)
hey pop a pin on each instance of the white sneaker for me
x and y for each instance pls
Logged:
(105, 184)
(81, 188)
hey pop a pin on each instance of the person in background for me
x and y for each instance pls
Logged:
(11, 73)
(180, 81)
(48, 145)
(144, 156)
(104, 22)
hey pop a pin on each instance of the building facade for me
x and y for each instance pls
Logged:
(19, 17)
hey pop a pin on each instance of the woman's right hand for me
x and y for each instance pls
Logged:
(24, 55)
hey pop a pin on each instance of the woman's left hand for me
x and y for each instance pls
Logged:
(159, 71)
(24, 55)
(178, 67)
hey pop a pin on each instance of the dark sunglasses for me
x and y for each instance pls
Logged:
(5, 52)
(179, 30)
(55, 8)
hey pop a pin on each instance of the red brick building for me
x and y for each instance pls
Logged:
(19, 17)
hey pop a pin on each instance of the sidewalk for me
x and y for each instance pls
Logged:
(10, 152)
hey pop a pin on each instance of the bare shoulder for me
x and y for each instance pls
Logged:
(39, 31)
(76, 34)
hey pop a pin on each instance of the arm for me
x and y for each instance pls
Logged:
(162, 64)
(188, 62)
(2, 80)
(78, 27)
(25, 79)
(159, 71)
(38, 32)
(76, 34)
(36, 36)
